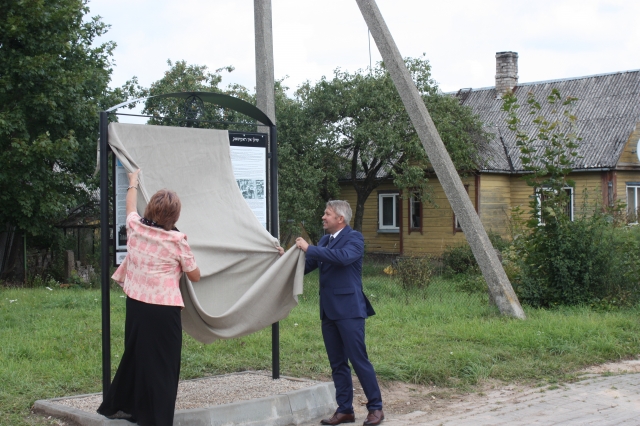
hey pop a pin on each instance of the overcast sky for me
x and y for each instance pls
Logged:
(554, 38)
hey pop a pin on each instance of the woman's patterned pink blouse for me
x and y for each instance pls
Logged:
(154, 264)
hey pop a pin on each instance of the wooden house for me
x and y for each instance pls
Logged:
(607, 170)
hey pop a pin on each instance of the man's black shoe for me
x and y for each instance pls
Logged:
(339, 418)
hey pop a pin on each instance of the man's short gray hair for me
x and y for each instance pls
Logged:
(341, 208)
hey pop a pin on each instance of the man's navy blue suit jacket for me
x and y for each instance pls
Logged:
(340, 264)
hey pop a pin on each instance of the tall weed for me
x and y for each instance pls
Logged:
(415, 272)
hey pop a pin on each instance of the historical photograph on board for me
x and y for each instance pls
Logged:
(260, 189)
(247, 188)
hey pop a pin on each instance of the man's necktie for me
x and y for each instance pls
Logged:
(330, 241)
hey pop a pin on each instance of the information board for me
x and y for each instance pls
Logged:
(249, 162)
(120, 234)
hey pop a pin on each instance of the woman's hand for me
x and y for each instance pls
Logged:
(133, 178)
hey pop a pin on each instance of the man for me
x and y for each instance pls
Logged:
(343, 310)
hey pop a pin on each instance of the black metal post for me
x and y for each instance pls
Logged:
(275, 350)
(104, 256)
(274, 182)
(273, 187)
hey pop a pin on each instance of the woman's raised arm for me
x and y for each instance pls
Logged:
(132, 192)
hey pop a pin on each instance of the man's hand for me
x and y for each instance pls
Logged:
(280, 250)
(302, 244)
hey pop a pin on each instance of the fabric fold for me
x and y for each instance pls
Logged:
(245, 284)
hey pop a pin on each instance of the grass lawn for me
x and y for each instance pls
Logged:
(50, 341)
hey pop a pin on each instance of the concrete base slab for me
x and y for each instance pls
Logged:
(292, 408)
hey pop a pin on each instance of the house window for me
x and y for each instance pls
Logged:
(633, 199)
(456, 225)
(388, 214)
(542, 195)
(415, 213)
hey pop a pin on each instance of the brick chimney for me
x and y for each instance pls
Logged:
(506, 72)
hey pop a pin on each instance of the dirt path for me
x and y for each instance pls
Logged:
(400, 399)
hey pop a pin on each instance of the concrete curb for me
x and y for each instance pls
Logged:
(290, 408)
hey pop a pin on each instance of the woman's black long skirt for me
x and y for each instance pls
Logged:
(146, 383)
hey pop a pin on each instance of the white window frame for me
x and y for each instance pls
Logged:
(395, 196)
(636, 189)
(569, 189)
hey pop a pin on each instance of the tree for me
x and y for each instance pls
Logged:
(365, 130)
(182, 77)
(307, 171)
(547, 154)
(52, 82)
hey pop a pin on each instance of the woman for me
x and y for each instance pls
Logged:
(145, 386)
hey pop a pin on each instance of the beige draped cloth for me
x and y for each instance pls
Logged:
(245, 284)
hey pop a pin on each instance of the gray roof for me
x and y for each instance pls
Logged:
(607, 110)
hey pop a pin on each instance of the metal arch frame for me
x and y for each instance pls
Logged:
(219, 99)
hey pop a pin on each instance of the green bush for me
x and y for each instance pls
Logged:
(498, 242)
(472, 284)
(414, 272)
(512, 264)
(459, 260)
(586, 261)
